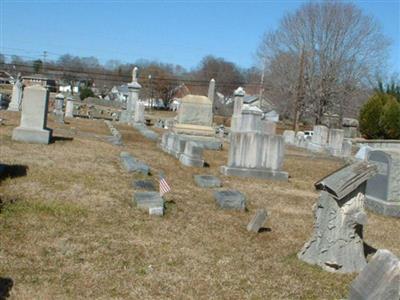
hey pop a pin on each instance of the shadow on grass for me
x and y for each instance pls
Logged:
(55, 139)
(264, 229)
(6, 285)
(12, 171)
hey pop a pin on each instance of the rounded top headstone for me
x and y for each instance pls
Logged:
(239, 92)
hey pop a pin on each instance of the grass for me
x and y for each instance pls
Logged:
(68, 230)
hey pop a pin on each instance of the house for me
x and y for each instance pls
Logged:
(6, 78)
(38, 79)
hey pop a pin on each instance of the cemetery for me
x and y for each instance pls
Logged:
(138, 170)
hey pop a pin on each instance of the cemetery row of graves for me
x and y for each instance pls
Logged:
(118, 208)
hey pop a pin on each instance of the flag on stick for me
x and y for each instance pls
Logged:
(164, 187)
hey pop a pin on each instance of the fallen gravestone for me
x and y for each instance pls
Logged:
(147, 185)
(147, 200)
(379, 280)
(337, 242)
(132, 165)
(230, 199)
(207, 181)
(257, 221)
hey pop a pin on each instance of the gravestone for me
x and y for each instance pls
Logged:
(207, 181)
(268, 127)
(69, 108)
(16, 97)
(211, 91)
(237, 109)
(58, 109)
(379, 280)
(319, 139)
(139, 112)
(337, 242)
(32, 128)
(156, 211)
(230, 199)
(289, 137)
(257, 221)
(383, 190)
(130, 164)
(192, 156)
(335, 141)
(147, 185)
(362, 153)
(147, 200)
(347, 148)
(300, 139)
(133, 96)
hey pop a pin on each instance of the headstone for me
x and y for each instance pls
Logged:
(211, 90)
(237, 108)
(147, 185)
(335, 144)
(383, 190)
(363, 152)
(32, 128)
(192, 155)
(379, 280)
(16, 98)
(300, 139)
(268, 127)
(230, 199)
(319, 139)
(58, 109)
(347, 148)
(350, 127)
(337, 242)
(207, 181)
(133, 96)
(147, 200)
(139, 112)
(289, 137)
(69, 108)
(156, 211)
(195, 116)
(257, 221)
(132, 165)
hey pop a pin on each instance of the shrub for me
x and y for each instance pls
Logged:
(86, 92)
(370, 117)
(390, 119)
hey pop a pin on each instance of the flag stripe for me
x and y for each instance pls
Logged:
(164, 187)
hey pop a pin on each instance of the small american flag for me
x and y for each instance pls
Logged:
(164, 187)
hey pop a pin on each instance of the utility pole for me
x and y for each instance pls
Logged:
(300, 93)
(262, 83)
(44, 60)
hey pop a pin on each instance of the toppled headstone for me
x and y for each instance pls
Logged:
(147, 200)
(132, 165)
(192, 156)
(207, 181)
(379, 280)
(230, 199)
(146, 132)
(257, 221)
(337, 242)
(147, 185)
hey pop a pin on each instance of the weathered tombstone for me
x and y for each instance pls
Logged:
(147, 185)
(300, 139)
(156, 211)
(237, 109)
(211, 91)
(16, 98)
(58, 109)
(347, 148)
(139, 112)
(337, 242)
(257, 221)
(133, 96)
(379, 280)
(69, 108)
(147, 200)
(230, 199)
(383, 190)
(192, 155)
(268, 127)
(289, 137)
(363, 152)
(319, 139)
(207, 181)
(335, 143)
(350, 127)
(32, 128)
(132, 165)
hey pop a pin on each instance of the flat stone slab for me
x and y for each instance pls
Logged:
(147, 185)
(257, 173)
(230, 199)
(147, 200)
(156, 211)
(257, 221)
(132, 165)
(207, 181)
(380, 278)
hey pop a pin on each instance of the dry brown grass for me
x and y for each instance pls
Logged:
(68, 231)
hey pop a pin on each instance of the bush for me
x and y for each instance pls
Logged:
(391, 119)
(380, 117)
(86, 92)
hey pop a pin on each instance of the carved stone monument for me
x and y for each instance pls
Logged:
(16, 98)
(383, 190)
(69, 108)
(58, 109)
(133, 96)
(337, 242)
(32, 128)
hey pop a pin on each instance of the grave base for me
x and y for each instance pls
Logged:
(191, 162)
(28, 135)
(257, 173)
(385, 208)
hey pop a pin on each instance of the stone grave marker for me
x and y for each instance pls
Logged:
(257, 221)
(130, 164)
(147, 185)
(335, 141)
(16, 97)
(58, 109)
(69, 108)
(289, 137)
(230, 199)
(192, 156)
(207, 181)
(147, 200)
(32, 128)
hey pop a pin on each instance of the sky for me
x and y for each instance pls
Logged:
(171, 31)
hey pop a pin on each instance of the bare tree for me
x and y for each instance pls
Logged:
(343, 51)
